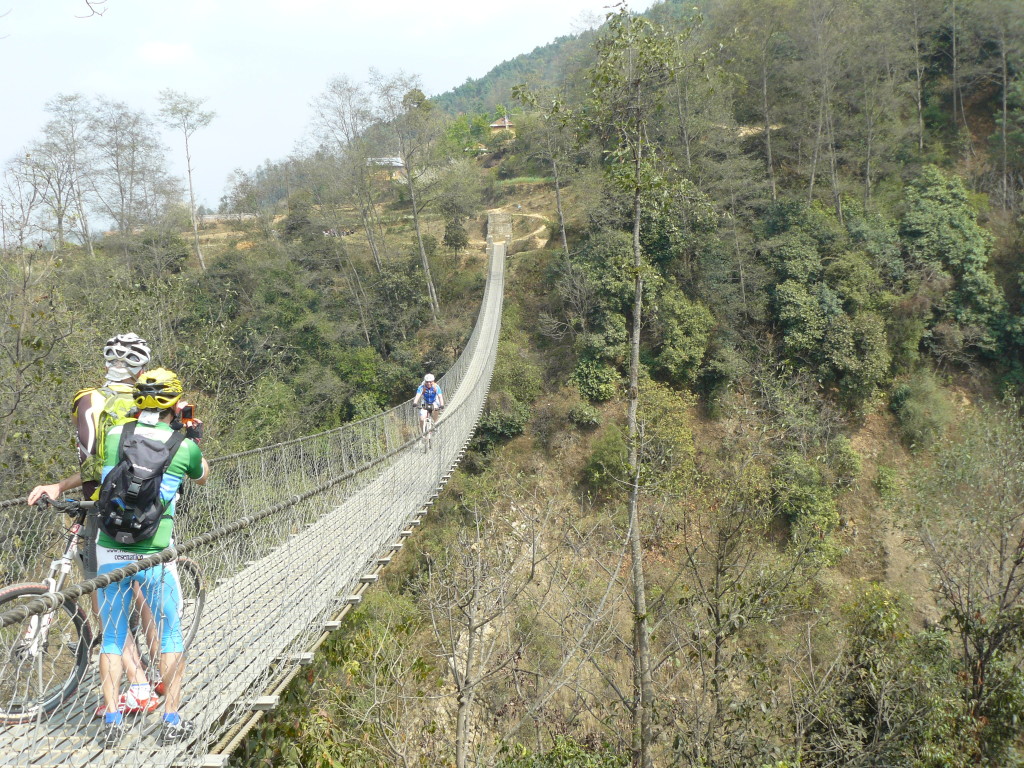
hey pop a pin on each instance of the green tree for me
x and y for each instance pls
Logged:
(685, 329)
(940, 232)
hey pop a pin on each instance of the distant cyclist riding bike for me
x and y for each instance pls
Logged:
(430, 400)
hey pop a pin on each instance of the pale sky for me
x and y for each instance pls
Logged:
(259, 63)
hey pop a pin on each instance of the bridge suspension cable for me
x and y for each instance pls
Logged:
(286, 538)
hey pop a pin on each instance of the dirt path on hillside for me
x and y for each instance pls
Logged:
(539, 234)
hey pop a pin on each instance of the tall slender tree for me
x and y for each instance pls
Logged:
(184, 113)
(69, 144)
(634, 64)
(344, 115)
(415, 127)
(555, 137)
(129, 168)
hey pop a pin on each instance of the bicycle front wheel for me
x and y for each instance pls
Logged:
(193, 597)
(42, 659)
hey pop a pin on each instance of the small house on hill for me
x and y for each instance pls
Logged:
(387, 168)
(503, 124)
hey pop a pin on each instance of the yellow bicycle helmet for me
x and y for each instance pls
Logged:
(159, 388)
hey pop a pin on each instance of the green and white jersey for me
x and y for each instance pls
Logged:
(187, 462)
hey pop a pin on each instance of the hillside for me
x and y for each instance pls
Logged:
(546, 64)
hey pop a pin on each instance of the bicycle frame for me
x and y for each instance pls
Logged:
(427, 421)
(39, 626)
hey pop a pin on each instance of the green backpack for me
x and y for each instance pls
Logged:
(117, 408)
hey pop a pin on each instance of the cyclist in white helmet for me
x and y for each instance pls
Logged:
(94, 411)
(430, 398)
(125, 356)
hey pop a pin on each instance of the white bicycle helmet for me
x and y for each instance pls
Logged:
(428, 377)
(126, 352)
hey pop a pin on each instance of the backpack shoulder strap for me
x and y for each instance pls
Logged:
(126, 431)
(80, 394)
(172, 448)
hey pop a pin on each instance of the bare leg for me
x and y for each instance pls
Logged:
(133, 662)
(110, 676)
(172, 667)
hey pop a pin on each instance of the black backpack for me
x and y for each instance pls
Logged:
(130, 509)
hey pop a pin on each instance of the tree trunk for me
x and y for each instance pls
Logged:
(360, 297)
(817, 146)
(767, 127)
(837, 199)
(869, 137)
(1005, 183)
(558, 207)
(192, 206)
(86, 232)
(683, 110)
(435, 307)
(467, 683)
(641, 634)
(739, 257)
(919, 81)
(957, 103)
(368, 228)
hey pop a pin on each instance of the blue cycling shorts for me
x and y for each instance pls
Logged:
(161, 591)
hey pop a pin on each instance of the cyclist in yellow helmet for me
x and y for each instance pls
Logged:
(156, 394)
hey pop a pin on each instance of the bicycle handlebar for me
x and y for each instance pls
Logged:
(71, 506)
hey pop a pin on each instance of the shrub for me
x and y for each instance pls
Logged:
(564, 753)
(549, 420)
(584, 416)
(843, 461)
(722, 368)
(886, 482)
(607, 465)
(809, 505)
(685, 329)
(922, 410)
(504, 416)
(595, 380)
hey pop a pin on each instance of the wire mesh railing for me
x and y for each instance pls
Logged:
(282, 536)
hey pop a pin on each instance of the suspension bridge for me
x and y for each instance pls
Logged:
(288, 537)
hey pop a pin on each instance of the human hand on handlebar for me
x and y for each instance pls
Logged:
(51, 491)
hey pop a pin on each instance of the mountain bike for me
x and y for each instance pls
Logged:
(43, 661)
(427, 425)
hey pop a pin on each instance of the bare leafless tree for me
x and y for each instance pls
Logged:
(415, 126)
(969, 511)
(471, 591)
(184, 113)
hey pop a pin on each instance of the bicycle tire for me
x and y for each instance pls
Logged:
(193, 598)
(428, 428)
(24, 693)
(193, 594)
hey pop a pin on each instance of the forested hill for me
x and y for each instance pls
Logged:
(546, 64)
